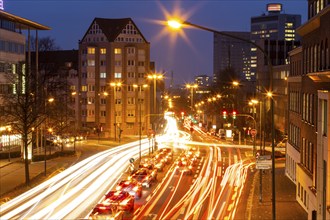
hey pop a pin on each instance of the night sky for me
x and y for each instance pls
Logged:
(186, 56)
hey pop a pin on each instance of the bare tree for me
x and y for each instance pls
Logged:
(23, 109)
(44, 44)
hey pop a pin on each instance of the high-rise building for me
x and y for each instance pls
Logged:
(231, 53)
(275, 33)
(308, 157)
(114, 59)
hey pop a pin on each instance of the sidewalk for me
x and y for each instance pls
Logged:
(286, 206)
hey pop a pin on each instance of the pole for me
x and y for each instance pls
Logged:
(155, 99)
(260, 171)
(9, 148)
(192, 98)
(115, 116)
(45, 152)
(140, 130)
(273, 162)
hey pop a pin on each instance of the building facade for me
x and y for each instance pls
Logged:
(231, 53)
(114, 59)
(307, 159)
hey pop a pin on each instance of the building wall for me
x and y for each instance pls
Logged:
(304, 121)
(123, 62)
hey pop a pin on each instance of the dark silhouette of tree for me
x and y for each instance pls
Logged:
(44, 44)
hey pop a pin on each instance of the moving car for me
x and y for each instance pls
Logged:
(106, 212)
(122, 199)
(145, 176)
(132, 186)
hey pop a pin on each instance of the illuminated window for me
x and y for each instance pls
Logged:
(253, 49)
(117, 51)
(91, 50)
(103, 50)
(84, 88)
(117, 75)
(103, 75)
(91, 62)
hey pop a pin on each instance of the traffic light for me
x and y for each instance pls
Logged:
(224, 114)
(234, 114)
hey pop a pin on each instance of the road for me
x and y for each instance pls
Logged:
(211, 192)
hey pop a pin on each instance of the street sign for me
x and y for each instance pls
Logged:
(263, 163)
(253, 132)
(131, 160)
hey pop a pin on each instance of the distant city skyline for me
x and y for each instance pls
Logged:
(186, 57)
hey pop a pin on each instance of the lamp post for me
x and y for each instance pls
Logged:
(155, 77)
(115, 85)
(140, 115)
(9, 134)
(176, 24)
(191, 87)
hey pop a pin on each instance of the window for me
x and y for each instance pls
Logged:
(117, 75)
(141, 63)
(117, 51)
(103, 75)
(103, 113)
(131, 100)
(103, 50)
(131, 75)
(84, 88)
(90, 75)
(141, 75)
(130, 88)
(130, 62)
(102, 62)
(91, 100)
(91, 88)
(103, 101)
(91, 113)
(131, 50)
(91, 50)
(130, 113)
(118, 101)
(324, 117)
(91, 62)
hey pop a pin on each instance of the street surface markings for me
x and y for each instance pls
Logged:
(182, 210)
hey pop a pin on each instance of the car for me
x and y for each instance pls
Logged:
(145, 176)
(282, 143)
(132, 186)
(102, 211)
(122, 199)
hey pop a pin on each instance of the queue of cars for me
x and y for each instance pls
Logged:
(120, 200)
(187, 161)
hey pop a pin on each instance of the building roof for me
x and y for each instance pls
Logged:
(113, 27)
(22, 23)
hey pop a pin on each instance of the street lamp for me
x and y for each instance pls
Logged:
(155, 77)
(115, 86)
(177, 24)
(140, 87)
(192, 87)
